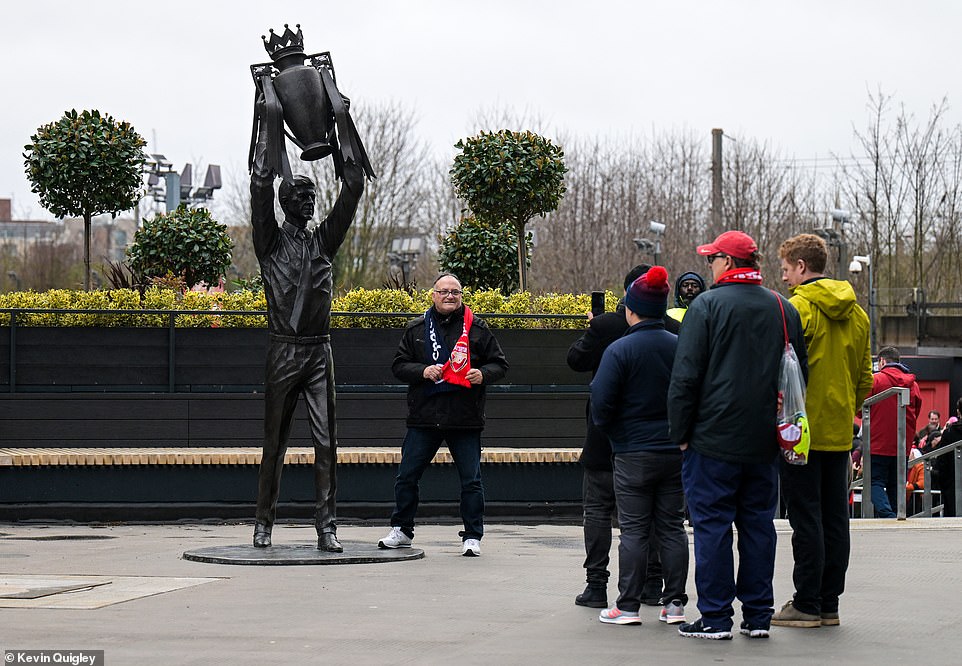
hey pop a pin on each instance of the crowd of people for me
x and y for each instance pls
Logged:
(687, 424)
(682, 420)
(690, 424)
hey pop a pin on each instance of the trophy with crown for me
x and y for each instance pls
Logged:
(300, 92)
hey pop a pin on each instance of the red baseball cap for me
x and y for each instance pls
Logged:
(736, 244)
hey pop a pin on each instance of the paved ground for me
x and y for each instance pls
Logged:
(513, 605)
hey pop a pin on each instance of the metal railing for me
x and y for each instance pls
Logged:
(926, 459)
(902, 462)
(902, 395)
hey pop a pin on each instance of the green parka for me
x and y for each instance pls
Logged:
(839, 359)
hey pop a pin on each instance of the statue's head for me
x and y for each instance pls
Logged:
(297, 200)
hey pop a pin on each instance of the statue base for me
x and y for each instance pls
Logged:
(301, 554)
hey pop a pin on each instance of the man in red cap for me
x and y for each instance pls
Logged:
(722, 410)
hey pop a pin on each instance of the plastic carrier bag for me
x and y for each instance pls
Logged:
(794, 438)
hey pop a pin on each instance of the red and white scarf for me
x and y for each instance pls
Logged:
(740, 276)
(457, 361)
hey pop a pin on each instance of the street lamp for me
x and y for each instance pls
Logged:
(836, 237)
(646, 245)
(856, 267)
(405, 251)
(178, 187)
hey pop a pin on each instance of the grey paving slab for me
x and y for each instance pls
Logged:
(512, 605)
(84, 592)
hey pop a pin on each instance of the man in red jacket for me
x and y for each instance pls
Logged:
(891, 373)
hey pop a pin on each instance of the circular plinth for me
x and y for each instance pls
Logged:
(287, 555)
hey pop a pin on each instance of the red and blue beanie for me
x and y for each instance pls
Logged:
(648, 295)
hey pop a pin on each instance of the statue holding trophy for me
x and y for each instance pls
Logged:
(299, 91)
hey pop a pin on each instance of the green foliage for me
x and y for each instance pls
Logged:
(85, 164)
(488, 303)
(66, 299)
(379, 300)
(251, 283)
(509, 176)
(481, 254)
(187, 242)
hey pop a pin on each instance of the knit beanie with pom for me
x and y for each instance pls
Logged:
(648, 295)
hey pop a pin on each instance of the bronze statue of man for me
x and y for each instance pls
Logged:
(296, 266)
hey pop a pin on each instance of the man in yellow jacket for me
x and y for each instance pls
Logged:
(839, 380)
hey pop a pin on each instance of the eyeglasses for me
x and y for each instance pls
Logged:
(711, 257)
(448, 292)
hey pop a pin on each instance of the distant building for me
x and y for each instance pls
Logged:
(16, 235)
(109, 237)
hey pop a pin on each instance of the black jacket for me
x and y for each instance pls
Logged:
(944, 467)
(584, 355)
(462, 407)
(724, 384)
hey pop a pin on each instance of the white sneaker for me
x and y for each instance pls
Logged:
(395, 539)
(471, 548)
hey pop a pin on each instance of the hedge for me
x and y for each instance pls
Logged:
(485, 303)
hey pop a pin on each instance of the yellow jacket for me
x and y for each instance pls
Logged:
(839, 359)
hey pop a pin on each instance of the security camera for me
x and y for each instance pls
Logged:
(656, 227)
(855, 267)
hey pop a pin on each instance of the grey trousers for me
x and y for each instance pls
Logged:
(651, 502)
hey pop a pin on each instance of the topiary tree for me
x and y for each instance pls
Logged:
(187, 242)
(509, 176)
(83, 165)
(481, 254)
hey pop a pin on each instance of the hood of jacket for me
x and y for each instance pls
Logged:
(898, 375)
(690, 275)
(835, 298)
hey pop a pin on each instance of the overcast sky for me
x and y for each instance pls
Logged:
(795, 74)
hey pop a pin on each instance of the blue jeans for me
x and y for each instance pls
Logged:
(720, 494)
(419, 447)
(884, 470)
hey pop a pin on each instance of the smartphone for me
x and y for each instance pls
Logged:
(597, 302)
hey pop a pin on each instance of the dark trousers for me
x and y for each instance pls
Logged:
(719, 495)
(884, 472)
(598, 498)
(816, 496)
(650, 499)
(419, 447)
(294, 369)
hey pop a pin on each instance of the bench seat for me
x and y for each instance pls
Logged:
(388, 455)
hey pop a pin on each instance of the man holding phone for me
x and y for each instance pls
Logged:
(598, 492)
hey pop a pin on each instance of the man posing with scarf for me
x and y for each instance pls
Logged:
(447, 358)
(722, 404)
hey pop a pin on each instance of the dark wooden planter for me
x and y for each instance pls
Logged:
(231, 360)
(149, 387)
